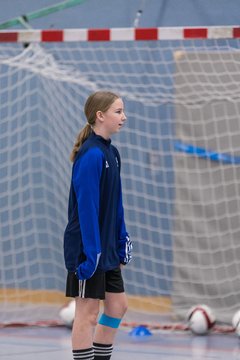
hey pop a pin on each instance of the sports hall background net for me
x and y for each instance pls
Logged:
(180, 154)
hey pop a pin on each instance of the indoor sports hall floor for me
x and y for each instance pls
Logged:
(55, 344)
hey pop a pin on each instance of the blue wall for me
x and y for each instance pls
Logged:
(121, 13)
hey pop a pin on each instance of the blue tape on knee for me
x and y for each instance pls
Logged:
(109, 321)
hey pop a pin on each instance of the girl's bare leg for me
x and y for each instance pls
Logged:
(115, 306)
(85, 320)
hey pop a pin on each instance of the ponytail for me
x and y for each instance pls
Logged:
(82, 136)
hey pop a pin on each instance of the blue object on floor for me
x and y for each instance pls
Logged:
(140, 331)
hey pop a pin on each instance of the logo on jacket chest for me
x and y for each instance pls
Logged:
(107, 164)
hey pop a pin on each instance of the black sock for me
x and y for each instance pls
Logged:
(102, 351)
(83, 354)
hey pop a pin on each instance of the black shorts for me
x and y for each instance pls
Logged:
(96, 286)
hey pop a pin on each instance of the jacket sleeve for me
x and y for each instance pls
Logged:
(125, 244)
(86, 179)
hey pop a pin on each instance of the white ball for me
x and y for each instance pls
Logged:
(200, 319)
(67, 313)
(236, 322)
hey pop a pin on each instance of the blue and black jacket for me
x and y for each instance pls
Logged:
(95, 239)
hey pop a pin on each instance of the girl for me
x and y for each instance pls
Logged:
(95, 240)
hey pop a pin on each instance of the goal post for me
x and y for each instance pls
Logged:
(180, 162)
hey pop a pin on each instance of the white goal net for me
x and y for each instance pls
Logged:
(180, 153)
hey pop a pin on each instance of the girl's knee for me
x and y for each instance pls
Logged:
(117, 307)
(124, 306)
(87, 312)
(93, 319)
(88, 320)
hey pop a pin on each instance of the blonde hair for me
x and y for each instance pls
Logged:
(98, 101)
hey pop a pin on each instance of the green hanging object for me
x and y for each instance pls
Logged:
(23, 20)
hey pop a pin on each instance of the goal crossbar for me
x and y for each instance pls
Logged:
(120, 34)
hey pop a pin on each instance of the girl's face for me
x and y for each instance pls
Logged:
(113, 119)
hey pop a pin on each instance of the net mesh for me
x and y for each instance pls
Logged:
(180, 170)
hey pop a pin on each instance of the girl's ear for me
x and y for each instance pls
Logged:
(99, 115)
